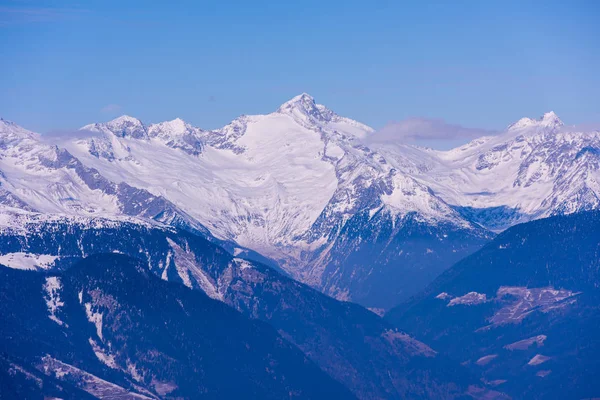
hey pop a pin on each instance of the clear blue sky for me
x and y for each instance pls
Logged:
(479, 64)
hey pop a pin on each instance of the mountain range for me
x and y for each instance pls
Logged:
(300, 187)
(289, 226)
(341, 338)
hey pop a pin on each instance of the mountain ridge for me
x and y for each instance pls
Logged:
(341, 338)
(288, 183)
(515, 302)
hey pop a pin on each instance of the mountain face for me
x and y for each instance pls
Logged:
(341, 338)
(371, 224)
(189, 212)
(289, 185)
(527, 306)
(111, 328)
(381, 258)
(535, 169)
(36, 176)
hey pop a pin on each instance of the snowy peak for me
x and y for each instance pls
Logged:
(548, 120)
(178, 134)
(5, 123)
(535, 169)
(128, 126)
(306, 112)
(125, 120)
(551, 119)
(176, 126)
(304, 107)
(302, 101)
(299, 114)
(123, 126)
(11, 132)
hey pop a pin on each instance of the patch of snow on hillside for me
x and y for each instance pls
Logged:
(242, 264)
(527, 343)
(186, 265)
(538, 359)
(90, 383)
(105, 358)
(133, 371)
(27, 261)
(486, 359)
(95, 318)
(522, 301)
(471, 298)
(52, 287)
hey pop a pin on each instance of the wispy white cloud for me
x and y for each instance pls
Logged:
(58, 135)
(584, 127)
(414, 129)
(110, 108)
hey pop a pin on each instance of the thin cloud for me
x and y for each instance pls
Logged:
(55, 136)
(584, 127)
(413, 130)
(110, 108)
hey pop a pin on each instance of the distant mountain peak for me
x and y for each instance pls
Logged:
(11, 131)
(177, 121)
(548, 120)
(6, 124)
(551, 119)
(125, 119)
(178, 134)
(176, 125)
(302, 97)
(304, 105)
(123, 126)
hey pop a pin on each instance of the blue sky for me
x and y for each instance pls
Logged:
(479, 64)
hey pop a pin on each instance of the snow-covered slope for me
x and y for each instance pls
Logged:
(36, 176)
(285, 184)
(281, 184)
(46, 178)
(299, 186)
(534, 169)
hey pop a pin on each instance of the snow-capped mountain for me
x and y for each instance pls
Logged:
(534, 169)
(263, 181)
(369, 224)
(284, 184)
(36, 176)
(176, 134)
